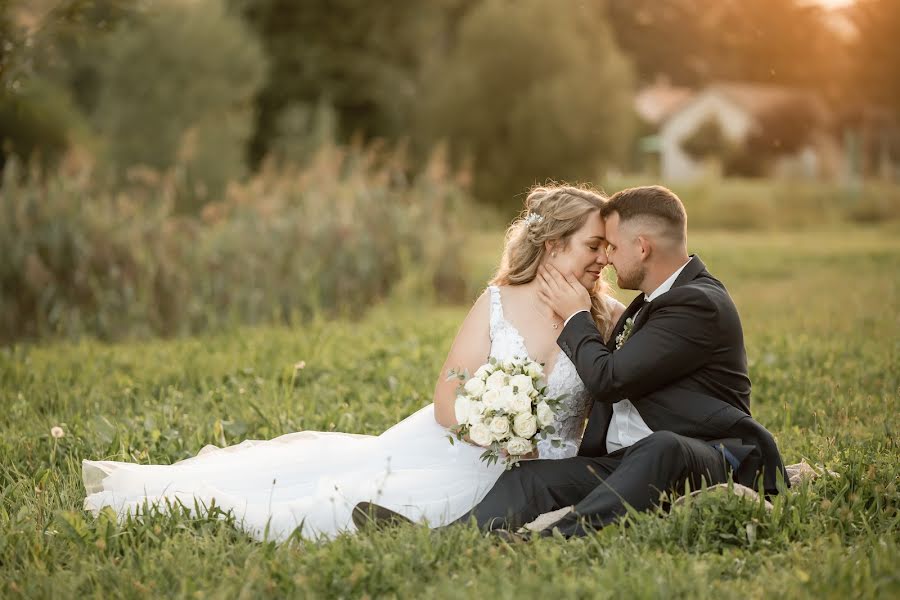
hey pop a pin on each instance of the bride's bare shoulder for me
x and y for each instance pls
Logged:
(512, 293)
(481, 308)
(484, 299)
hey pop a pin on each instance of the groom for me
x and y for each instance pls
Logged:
(670, 387)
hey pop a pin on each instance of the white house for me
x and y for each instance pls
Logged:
(677, 113)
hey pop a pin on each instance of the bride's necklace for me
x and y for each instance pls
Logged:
(553, 321)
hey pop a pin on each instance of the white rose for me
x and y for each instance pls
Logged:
(507, 395)
(545, 414)
(483, 370)
(523, 382)
(496, 380)
(517, 446)
(521, 403)
(475, 387)
(462, 409)
(491, 400)
(499, 427)
(476, 410)
(535, 370)
(480, 434)
(525, 425)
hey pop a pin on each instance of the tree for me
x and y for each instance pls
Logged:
(875, 52)
(35, 114)
(35, 122)
(707, 141)
(786, 128)
(301, 131)
(531, 90)
(663, 38)
(785, 42)
(68, 45)
(362, 58)
(10, 49)
(176, 86)
(696, 42)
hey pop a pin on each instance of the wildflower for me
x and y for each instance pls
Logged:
(299, 366)
(57, 431)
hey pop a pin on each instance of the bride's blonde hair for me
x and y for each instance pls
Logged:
(551, 213)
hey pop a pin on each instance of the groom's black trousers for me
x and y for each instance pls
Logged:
(599, 487)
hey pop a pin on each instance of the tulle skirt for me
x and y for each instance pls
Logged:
(308, 480)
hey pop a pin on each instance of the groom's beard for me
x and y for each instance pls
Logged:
(630, 280)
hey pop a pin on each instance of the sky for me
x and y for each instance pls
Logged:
(834, 3)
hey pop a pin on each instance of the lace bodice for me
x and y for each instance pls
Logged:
(507, 343)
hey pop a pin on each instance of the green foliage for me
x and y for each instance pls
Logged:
(530, 90)
(36, 121)
(784, 129)
(649, 33)
(755, 204)
(333, 237)
(858, 502)
(825, 374)
(67, 45)
(176, 86)
(785, 42)
(707, 141)
(877, 62)
(361, 58)
(13, 39)
(302, 130)
(36, 117)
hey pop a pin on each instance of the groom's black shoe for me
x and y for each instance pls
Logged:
(367, 515)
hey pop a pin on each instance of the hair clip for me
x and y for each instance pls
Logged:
(533, 218)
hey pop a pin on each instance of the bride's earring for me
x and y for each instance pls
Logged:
(553, 254)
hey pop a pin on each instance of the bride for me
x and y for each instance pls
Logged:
(311, 480)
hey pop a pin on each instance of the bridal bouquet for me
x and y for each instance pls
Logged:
(504, 407)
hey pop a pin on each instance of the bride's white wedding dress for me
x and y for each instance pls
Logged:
(313, 479)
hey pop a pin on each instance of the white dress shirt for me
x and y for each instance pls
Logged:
(627, 427)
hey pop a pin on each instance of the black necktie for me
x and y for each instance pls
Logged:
(644, 305)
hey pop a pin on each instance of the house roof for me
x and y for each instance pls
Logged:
(758, 99)
(656, 102)
(660, 102)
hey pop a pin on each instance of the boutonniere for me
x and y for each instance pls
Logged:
(626, 332)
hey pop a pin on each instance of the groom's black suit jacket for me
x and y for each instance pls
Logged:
(684, 368)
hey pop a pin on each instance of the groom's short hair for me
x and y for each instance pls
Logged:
(652, 203)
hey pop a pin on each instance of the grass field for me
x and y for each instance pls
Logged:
(821, 313)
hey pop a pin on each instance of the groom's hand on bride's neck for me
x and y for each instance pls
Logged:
(562, 292)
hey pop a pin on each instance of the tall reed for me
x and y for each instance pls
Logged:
(333, 236)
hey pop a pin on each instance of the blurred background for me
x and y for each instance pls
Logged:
(169, 166)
